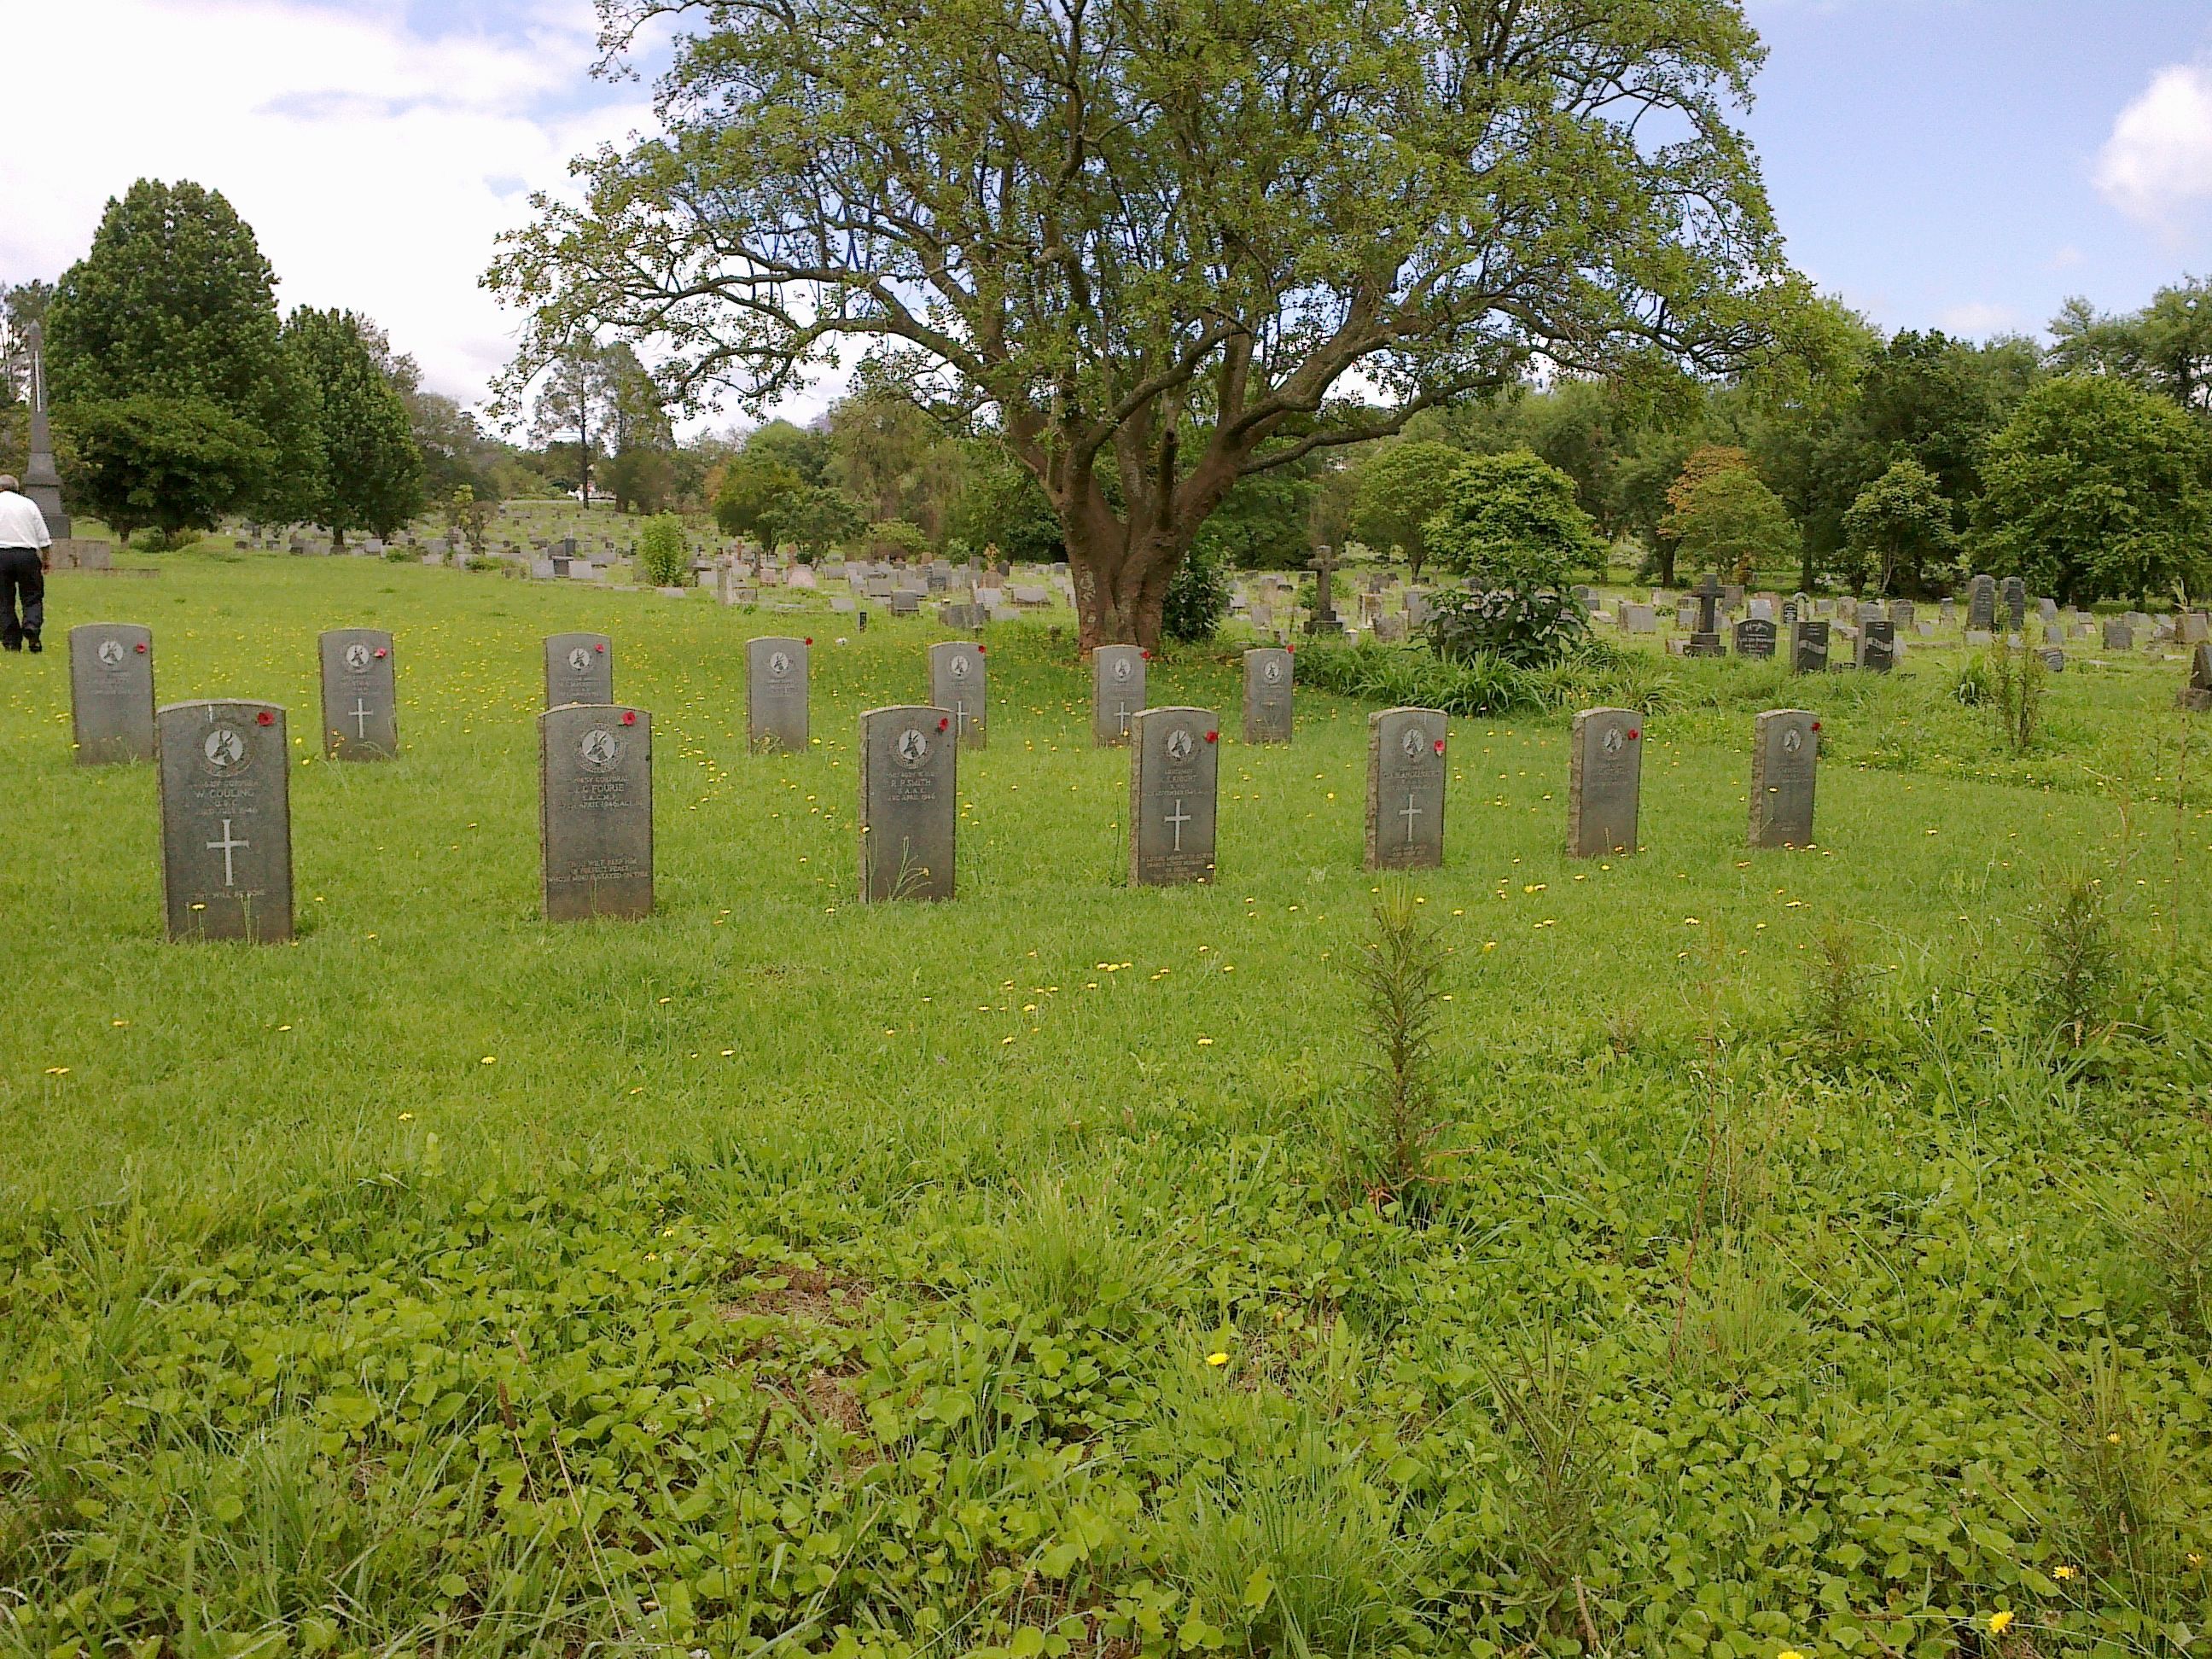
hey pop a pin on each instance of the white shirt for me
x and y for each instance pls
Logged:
(22, 524)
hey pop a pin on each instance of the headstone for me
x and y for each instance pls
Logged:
(1405, 788)
(360, 696)
(909, 803)
(112, 693)
(1982, 602)
(1761, 610)
(2016, 602)
(1640, 619)
(2118, 636)
(226, 821)
(959, 685)
(2194, 628)
(1174, 767)
(1784, 753)
(1847, 608)
(1605, 774)
(1117, 693)
(579, 668)
(1878, 647)
(1267, 681)
(1980, 637)
(1791, 611)
(2047, 610)
(1946, 613)
(904, 603)
(2197, 694)
(1903, 613)
(2054, 658)
(1808, 647)
(595, 811)
(1706, 639)
(1755, 636)
(777, 704)
(1324, 617)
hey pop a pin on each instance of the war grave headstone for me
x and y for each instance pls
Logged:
(360, 696)
(909, 803)
(1117, 693)
(579, 668)
(595, 811)
(777, 698)
(1784, 755)
(226, 821)
(1878, 646)
(112, 693)
(1268, 696)
(1605, 774)
(2197, 694)
(1808, 647)
(1755, 636)
(959, 683)
(1406, 764)
(1982, 604)
(1174, 771)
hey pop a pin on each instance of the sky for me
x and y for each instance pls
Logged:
(1960, 164)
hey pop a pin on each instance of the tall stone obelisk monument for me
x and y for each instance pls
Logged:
(41, 483)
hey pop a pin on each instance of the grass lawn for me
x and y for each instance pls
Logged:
(1016, 1275)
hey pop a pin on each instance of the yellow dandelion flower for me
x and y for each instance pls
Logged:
(1217, 1359)
(2000, 1622)
(2062, 1572)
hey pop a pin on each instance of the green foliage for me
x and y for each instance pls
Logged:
(1527, 628)
(1511, 522)
(1263, 523)
(896, 538)
(1401, 488)
(1400, 969)
(2165, 348)
(664, 553)
(166, 464)
(1197, 598)
(817, 518)
(1836, 987)
(1899, 532)
(2012, 682)
(756, 494)
(1389, 677)
(1731, 522)
(371, 474)
(2078, 965)
(2096, 489)
(998, 503)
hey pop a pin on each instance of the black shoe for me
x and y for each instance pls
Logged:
(35, 646)
(11, 645)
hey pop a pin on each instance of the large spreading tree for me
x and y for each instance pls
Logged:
(372, 473)
(1160, 246)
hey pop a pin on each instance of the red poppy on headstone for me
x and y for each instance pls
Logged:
(1213, 737)
(941, 724)
(139, 647)
(629, 717)
(265, 718)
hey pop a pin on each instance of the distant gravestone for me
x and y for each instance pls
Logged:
(1706, 638)
(579, 668)
(1117, 693)
(1267, 681)
(112, 693)
(1903, 613)
(2194, 628)
(1784, 755)
(1640, 619)
(360, 700)
(2016, 602)
(1174, 768)
(2197, 694)
(1808, 647)
(1405, 788)
(595, 811)
(777, 704)
(1605, 774)
(226, 821)
(909, 803)
(1878, 647)
(2054, 658)
(2118, 636)
(959, 683)
(1982, 604)
(1755, 636)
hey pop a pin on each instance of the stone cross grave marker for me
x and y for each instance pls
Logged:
(1605, 776)
(595, 811)
(777, 704)
(1117, 693)
(1705, 637)
(1755, 636)
(959, 683)
(112, 692)
(1267, 681)
(1808, 647)
(1405, 788)
(360, 696)
(1982, 604)
(909, 803)
(1173, 772)
(1324, 618)
(226, 821)
(1784, 755)
(1878, 647)
(579, 668)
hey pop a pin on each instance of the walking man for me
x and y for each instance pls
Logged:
(23, 540)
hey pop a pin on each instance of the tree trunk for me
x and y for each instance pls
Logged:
(1120, 595)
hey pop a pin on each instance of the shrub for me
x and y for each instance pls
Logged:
(664, 557)
(1197, 598)
(1400, 969)
(1526, 627)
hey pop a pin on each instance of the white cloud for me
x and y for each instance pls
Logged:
(2156, 167)
(376, 163)
(1977, 318)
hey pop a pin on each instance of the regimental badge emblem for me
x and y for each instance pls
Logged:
(1793, 741)
(111, 652)
(1180, 745)
(1412, 743)
(226, 751)
(1273, 673)
(912, 748)
(600, 749)
(1121, 668)
(579, 660)
(1613, 743)
(958, 669)
(357, 657)
(778, 664)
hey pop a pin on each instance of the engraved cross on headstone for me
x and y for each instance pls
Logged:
(1178, 818)
(227, 846)
(361, 712)
(1409, 812)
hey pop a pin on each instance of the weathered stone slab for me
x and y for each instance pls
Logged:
(1173, 772)
(112, 693)
(579, 668)
(1268, 695)
(360, 696)
(777, 704)
(595, 811)
(1117, 693)
(1878, 647)
(1406, 763)
(226, 821)
(1982, 604)
(960, 682)
(1605, 778)
(1808, 647)
(2197, 694)
(909, 803)
(1785, 758)
(1754, 637)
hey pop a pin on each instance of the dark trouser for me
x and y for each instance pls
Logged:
(21, 577)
